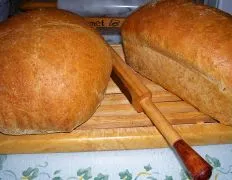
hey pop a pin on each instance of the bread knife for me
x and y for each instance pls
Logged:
(141, 99)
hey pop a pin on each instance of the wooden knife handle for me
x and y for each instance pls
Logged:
(131, 81)
(196, 166)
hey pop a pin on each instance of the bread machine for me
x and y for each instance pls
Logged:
(106, 15)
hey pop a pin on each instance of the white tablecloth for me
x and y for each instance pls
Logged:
(152, 164)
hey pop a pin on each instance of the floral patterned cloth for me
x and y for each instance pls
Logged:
(150, 164)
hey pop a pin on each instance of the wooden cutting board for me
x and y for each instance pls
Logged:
(116, 125)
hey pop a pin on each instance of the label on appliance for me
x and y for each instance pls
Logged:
(104, 22)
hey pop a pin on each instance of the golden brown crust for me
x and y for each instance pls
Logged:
(53, 74)
(197, 38)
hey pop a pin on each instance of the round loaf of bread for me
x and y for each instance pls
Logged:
(54, 70)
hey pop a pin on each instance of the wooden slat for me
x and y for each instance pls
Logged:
(113, 139)
(141, 120)
(189, 118)
(117, 121)
(113, 88)
(127, 109)
(158, 96)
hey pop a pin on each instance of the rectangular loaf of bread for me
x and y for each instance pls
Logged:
(187, 49)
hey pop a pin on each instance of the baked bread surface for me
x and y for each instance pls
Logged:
(187, 49)
(53, 74)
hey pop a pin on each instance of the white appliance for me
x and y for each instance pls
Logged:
(4, 9)
(225, 5)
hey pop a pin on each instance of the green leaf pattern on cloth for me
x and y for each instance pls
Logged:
(101, 176)
(2, 159)
(218, 170)
(147, 172)
(84, 174)
(30, 173)
(148, 167)
(56, 172)
(214, 162)
(168, 178)
(184, 175)
(57, 178)
(125, 175)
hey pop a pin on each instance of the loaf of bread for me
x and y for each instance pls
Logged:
(54, 70)
(187, 49)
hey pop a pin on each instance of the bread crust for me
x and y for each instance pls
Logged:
(162, 40)
(53, 74)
